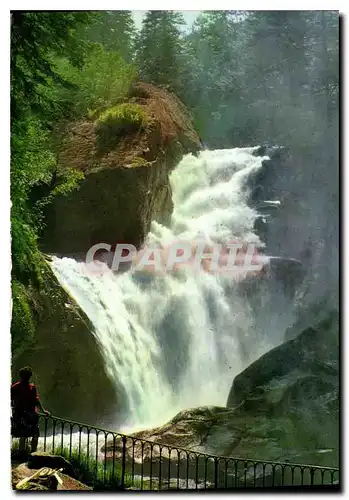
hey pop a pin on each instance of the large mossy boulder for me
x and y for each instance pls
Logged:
(126, 154)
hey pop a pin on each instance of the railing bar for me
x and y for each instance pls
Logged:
(62, 434)
(133, 461)
(105, 460)
(80, 430)
(70, 439)
(88, 449)
(45, 433)
(196, 471)
(169, 468)
(160, 454)
(142, 466)
(96, 457)
(187, 470)
(178, 465)
(151, 467)
(263, 476)
(113, 464)
(123, 465)
(53, 437)
(216, 473)
(206, 472)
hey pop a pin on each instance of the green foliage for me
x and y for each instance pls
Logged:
(35, 36)
(92, 472)
(117, 121)
(23, 326)
(159, 48)
(67, 182)
(32, 161)
(138, 161)
(26, 258)
(115, 30)
(127, 113)
(104, 80)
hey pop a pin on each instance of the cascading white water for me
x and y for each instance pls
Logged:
(177, 341)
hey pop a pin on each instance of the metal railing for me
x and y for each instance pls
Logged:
(109, 460)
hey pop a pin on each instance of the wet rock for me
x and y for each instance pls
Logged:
(66, 483)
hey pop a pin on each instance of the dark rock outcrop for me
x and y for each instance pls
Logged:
(313, 352)
(125, 187)
(284, 407)
(41, 459)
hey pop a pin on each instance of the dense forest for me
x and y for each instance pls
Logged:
(246, 77)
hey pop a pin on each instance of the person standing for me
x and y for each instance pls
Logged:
(24, 403)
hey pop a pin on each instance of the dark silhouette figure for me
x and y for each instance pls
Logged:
(24, 403)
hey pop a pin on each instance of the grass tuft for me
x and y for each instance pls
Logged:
(117, 121)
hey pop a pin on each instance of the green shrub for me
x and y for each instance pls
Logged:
(26, 257)
(118, 121)
(104, 79)
(138, 161)
(22, 326)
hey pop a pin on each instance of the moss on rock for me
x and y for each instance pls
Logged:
(23, 325)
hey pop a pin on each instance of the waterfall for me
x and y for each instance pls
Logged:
(177, 341)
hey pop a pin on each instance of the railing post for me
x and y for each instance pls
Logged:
(216, 473)
(123, 464)
(45, 432)
(160, 456)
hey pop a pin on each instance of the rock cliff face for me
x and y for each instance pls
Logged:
(68, 368)
(126, 186)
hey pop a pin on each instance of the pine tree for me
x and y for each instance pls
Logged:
(160, 47)
(115, 30)
(213, 76)
(35, 37)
